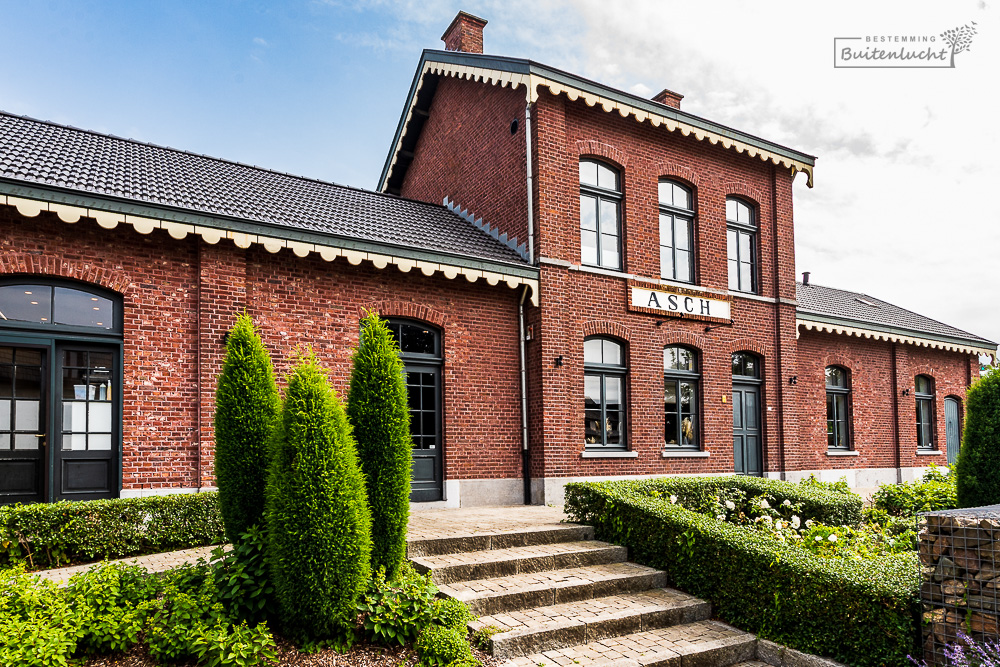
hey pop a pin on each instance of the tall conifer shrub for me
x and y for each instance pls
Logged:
(977, 469)
(319, 541)
(378, 408)
(246, 410)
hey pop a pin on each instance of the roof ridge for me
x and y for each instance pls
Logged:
(204, 156)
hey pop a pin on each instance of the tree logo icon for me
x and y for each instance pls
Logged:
(959, 39)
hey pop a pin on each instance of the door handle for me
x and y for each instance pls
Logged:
(42, 436)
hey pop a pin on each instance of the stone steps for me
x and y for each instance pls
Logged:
(549, 533)
(541, 629)
(470, 565)
(542, 589)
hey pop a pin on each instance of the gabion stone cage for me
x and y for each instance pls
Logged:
(960, 584)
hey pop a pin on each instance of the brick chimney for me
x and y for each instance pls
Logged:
(669, 98)
(464, 34)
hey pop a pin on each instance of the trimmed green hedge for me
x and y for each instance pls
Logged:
(48, 535)
(819, 503)
(860, 612)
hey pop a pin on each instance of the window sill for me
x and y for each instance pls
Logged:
(929, 452)
(843, 452)
(608, 455)
(684, 454)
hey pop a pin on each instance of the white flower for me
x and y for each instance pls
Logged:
(819, 539)
(809, 523)
(721, 517)
(787, 503)
(832, 538)
(778, 525)
(730, 505)
(673, 499)
(796, 522)
(764, 505)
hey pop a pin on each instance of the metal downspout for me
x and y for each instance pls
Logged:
(525, 453)
(777, 322)
(531, 203)
(895, 414)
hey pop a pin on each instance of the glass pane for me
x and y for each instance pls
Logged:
(28, 382)
(731, 244)
(416, 339)
(923, 385)
(613, 392)
(429, 423)
(831, 408)
(681, 197)
(6, 381)
(612, 352)
(100, 442)
(683, 266)
(609, 252)
(607, 177)
(592, 391)
(681, 235)
(609, 217)
(588, 172)
(75, 358)
(588, 212)
(613, 428)
(667, 262)
(670, 432)
(588, 247)
(751, 409)
(415, 425)
(75, 417)
(687, 398)
(746, 277)
(103, 360)
(26, 303)
(79, 308)
(26, 415)
(731, 209)
(27, 441)
(4, 417)
(74, 384)
(427, 396)
(666, 230)
(670, 395)
(413, 396)
(6, 355)
(737, 409)
(74, 442)
(100, 418)
(593, 351)
(835, 377)
(665, 193)
(689, 434)
(734, 275)
(26, 357)
(749, 366)
(744, 240)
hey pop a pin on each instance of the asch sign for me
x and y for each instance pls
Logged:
(678, 303)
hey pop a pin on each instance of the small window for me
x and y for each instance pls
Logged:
(604, 394)
(746, 366)
(925, 411)
(600, 215)
(838, 404)
(57, 306)
(680, 397)
(676, 239)
(741, 244)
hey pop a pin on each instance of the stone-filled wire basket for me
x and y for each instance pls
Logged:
(960, 577)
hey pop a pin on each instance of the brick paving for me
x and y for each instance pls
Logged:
(432, 524)
(152, 563)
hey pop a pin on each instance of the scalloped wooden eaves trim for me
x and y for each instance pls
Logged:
(823, 327)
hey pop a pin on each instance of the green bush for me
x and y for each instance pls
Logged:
(396, 611)
(114, 597)
(977, 469)
(319, 542)
(246, 409)
(38, 626)
(242, 579)
(439, 646)
(935, 492)
(45, 535)
(452, 613)
(860, 612)
(378, 408)
(239, 645)
(179, 617)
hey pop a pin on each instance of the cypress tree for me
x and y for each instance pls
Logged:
(246, 410)
(977, 469)
(319, 541)
(378, 408)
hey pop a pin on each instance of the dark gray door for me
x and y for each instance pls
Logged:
(952, 428)
(23, 421)
(424, 386)
(747, 449)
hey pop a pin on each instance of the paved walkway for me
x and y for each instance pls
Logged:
(424, 525)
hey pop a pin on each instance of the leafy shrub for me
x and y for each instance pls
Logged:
(242, 578)
(48, 535)
(439, 646)
(396, 611)
(378, 408)
(37, 624)
(318, 521)
(241, 646)
(935, 492)
(115, 598)
(860, 612)
(246, 409)
(977, 468)
(482, 638)
(180, 617)
(452, 613)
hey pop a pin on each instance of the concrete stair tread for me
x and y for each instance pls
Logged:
(468, 565)
(539, 589)
(704, 643)
(556, 626)
(449, 542)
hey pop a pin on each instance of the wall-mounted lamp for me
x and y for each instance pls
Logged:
(794, 380)
(906, 392)
(559, 361)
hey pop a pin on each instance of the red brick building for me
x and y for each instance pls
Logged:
(585, 284)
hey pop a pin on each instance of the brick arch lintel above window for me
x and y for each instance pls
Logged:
(839, 361)
(604, 328)
(55, 267)
(749, 345)
(598, 149)
(685, 339)
(744, 191)
(407, 310)
(670, 171)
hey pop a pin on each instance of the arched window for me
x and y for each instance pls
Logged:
(600, 215)
(59, 305)
(746, 366)
(838, 406)
(741, 242)
(681, 424)
(924, 395)
(604, 393)
(676, 234)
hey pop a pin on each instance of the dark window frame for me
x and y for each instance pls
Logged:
(925, 401)
(742, 378)
(603, 372)
(742, 229)
(676, 377)
(833, 428)
(677, 215)
(115, 331)
(603, 194)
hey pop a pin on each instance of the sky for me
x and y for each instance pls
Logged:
(905, 205)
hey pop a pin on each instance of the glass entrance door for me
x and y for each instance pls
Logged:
(23, 420)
